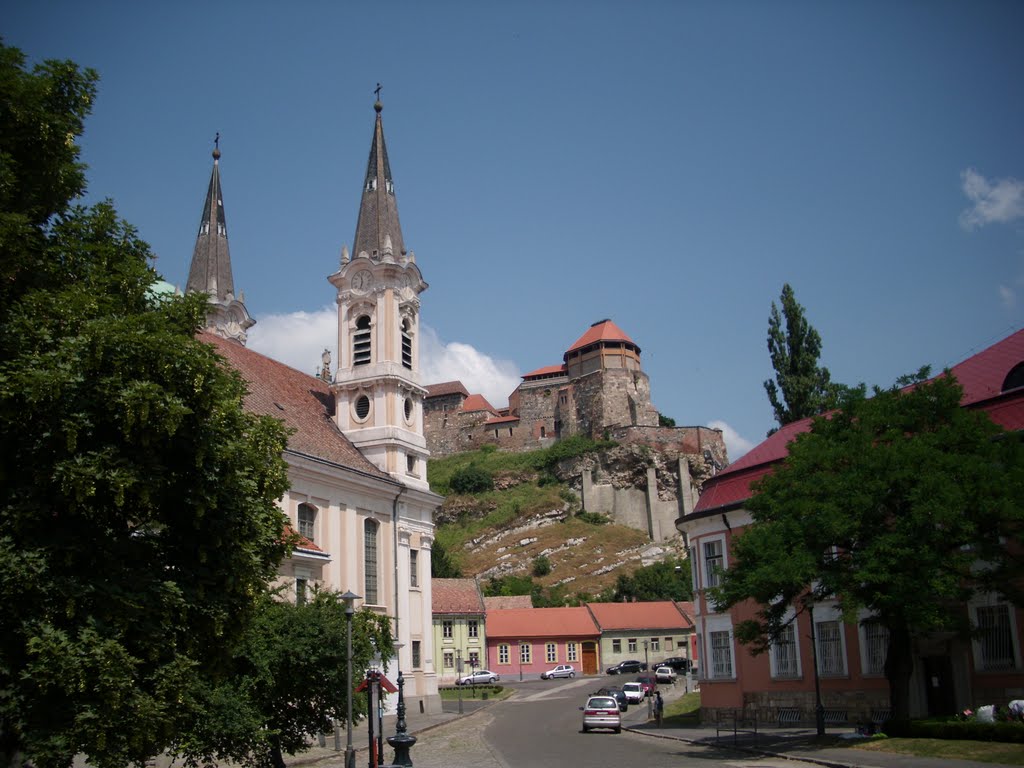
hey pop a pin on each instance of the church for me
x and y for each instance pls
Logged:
(357, 456)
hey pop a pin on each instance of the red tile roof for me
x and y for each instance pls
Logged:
(456, 596)
(663, 614)
(541, 622)
(605, 330)
(478, 403)
(303, 402)
(502, 420)
(446, 388)
(504, 602)
(981, 376)
(548, 370)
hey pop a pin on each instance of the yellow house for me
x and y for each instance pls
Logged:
(459, 620)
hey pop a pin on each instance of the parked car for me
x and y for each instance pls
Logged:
(665, 675)
(562, 670)
(602, 712)
(617, 693)
(634, 692)
(649, 682)
(627, 667)
(479, 677)
(681, 665)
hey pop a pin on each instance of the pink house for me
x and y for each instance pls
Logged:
(950, 672)
(523, 642)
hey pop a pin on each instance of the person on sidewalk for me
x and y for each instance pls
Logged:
(659, 707)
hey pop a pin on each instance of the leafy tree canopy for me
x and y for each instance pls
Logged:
(137, 514)
(801, 387)
(666, 580)
(887, 506)
(289, 682)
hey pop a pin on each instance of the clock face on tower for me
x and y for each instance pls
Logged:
(362, 281)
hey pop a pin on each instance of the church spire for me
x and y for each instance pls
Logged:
(210, 271)
(377, 229)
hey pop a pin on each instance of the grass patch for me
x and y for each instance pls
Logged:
(683, 712)
(945, 749)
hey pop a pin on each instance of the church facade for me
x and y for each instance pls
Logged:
(358, 497)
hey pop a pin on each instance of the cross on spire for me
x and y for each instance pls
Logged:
(376, 91)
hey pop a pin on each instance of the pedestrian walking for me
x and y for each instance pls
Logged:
(659, 707)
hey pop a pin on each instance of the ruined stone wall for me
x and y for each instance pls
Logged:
(683, 440)
(441, 420)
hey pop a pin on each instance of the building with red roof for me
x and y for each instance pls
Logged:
(524, 642)
(950, 673)
(356, 454)
(647, 631)
(460, 638)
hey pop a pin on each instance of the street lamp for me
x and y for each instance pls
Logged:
(520, 661)
(373, 694)
(458, 673)
(350, 754)
(819, 710)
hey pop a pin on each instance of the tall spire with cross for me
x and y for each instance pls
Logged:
(378, 232)
(210, 271)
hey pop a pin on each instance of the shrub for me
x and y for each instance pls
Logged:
(593, 518)
(972, 730)
(472, 479)
(541, 565)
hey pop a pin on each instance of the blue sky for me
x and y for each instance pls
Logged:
(668, 165)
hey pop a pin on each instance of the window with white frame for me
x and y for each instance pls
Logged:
(721, 654)
(503, 653)
(784, 658)
(474, 659)
(525, 653)
(995, 637)
(714, 562)
(414, 570)
(550, 653)
(875, 648)
(655, 644)
(447, 629)
(631, 644)
(616, 646)
(449, 659)
(370, 561)
(307, 521)
(829, 638)
(570, 652)
(473, 628)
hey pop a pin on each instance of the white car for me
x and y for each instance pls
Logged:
(634, 692)
(480, 677)
(602, 712)
(562, 670)
(665, 675)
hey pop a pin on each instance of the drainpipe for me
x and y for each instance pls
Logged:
(394, 530)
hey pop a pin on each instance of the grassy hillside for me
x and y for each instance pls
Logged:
(526, 533)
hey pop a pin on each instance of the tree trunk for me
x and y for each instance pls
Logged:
(276, 758)
(899, 667)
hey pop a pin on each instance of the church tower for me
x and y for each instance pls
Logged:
(210, 272)
(378, 395)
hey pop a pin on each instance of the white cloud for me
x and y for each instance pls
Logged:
(999, 201)
(298, 339)
(735, 444)
(479, 373)
(1008, 296)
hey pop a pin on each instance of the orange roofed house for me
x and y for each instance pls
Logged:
(650, 632)
(523, 642)
(950, 673)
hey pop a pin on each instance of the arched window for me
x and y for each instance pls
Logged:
(307, 521)
(370, 561)
(1014, 378)
(361, 345)
(407, 343)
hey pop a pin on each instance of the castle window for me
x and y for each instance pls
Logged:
(370, 560)
(361, 342)
(307, 521)
(407, 343)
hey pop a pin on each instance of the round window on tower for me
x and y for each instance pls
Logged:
(408, 409)
(362, 407)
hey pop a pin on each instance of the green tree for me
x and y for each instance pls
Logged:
(442, 564)
(801, 387)
(666, 580)
(886, 506)
(289, 682)
(541, 565)
(472, 479)
(137, 514)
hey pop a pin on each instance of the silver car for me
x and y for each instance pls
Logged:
(562, 670)
(602, 712)
(480, 677)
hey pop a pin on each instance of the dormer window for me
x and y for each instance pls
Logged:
(361, 342)
(1015, 378)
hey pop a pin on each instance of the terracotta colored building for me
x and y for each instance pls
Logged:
(950, 672)
(649, 631)
(523, 642)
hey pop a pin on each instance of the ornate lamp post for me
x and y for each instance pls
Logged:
(350, 754)
(402, 741)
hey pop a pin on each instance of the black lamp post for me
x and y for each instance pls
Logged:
(458, 672)
(819, 710)
(402, 741)
(350, 754)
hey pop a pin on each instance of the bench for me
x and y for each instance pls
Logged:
(737, 722)
(789, 716)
